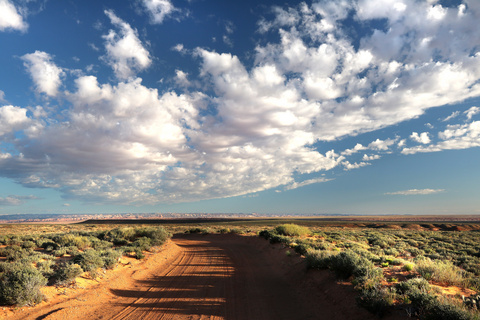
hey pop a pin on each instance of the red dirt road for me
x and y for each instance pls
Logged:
(210, 277)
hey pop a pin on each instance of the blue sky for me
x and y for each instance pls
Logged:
(351, 106)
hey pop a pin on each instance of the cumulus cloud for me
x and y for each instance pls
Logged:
(45, 74)
(460, 136)
(10, 18)
(125, 52)
(414, 192)
(259, 125)
(422, 138)
(12, 119)
(471, 112)
(159, 10)
(350, 166)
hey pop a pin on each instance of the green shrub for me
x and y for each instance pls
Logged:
(302, 248)
(413, 285)
(441, 271)
(292, 230)
(318, 259)
(377, 300)
(347, 263)
(66, 273)
(21, 286)
(45, 267)
(90, 261)
(157, 235)
(110, 258)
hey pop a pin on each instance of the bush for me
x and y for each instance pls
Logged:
(376, 300)
(444, 272)
(157, 235)
(66, 273)
(21, 286)
(318, 259)
(347, 263)
(110, 258)
(90, 261)
(292, 230)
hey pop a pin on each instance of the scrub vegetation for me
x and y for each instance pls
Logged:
(393, 268)
(29, 262)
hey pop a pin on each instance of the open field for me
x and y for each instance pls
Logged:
(221, 269)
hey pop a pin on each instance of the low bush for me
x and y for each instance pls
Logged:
(377, 300)
(318, 259)
(90, 261)
(444, 272)
(66, 273)
(21, 286)
(292, 230)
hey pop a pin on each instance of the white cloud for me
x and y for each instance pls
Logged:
(125, 52)
(45, 74)
(453, 115)
(471, 112)
(367, 157)
(159, 10)
(414, 192)
(381, 144)
(12, 119)
(358, 147)
(422, 138)
(350, 166)
(454, 137)
(10, 18)
(14, 200)
(181, 78)
(260, 125)
(2, 96)
(295, 185)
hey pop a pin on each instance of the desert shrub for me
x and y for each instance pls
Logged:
(413, 285)
(377, 300)
(66, 273)
(302, 248)
(139, 254)
(90, 261)
(119, 236)
(198, 230)
(61, 251)
(48, 245)
(110, 258)
(408, 266)
(441, 271)
(21, 286)
(349, 263)
(73, 240)
(98, 244)
(12, 252)
(367, 277)
(45, 267)
(29, 244)
(429, 307)
(157, 235)
(318, 259)
(292, 230)
(143, 243)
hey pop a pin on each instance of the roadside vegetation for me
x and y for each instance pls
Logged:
(29, 262)
(391, 268)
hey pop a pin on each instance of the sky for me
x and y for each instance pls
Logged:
(317, 107)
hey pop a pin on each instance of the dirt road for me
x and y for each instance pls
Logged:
(210, 277)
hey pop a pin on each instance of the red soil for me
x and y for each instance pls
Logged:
(206, 277)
